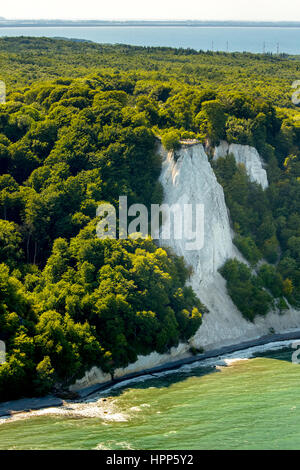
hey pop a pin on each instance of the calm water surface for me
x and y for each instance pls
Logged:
(251, 39)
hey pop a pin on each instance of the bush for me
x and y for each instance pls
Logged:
(171, 140)
(248, 248)
(245, 290)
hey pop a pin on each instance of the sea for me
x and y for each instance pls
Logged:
(231, 39)
(246, 400)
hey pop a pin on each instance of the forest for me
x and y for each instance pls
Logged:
(80, 127)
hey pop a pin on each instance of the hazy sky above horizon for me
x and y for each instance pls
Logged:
(259, 10)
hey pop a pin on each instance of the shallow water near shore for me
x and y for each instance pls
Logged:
(220, 38)
(248, 400)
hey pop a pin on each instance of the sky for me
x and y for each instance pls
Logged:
(248, 10)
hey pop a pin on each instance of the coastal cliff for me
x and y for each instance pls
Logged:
(248, 156)
(187, 177)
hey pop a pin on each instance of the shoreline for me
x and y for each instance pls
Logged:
(10, 408)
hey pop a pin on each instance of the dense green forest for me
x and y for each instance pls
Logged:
(24, 61)
(80, 127)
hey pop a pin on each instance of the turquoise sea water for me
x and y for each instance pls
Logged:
(251, 39)
(236, 404)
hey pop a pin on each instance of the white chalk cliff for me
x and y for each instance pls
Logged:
(249, 157)
(188, 178)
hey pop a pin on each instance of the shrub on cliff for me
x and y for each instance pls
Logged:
(245, 290)
(171, 140)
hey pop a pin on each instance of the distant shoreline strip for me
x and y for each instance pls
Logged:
(6, 24)
(31, 404)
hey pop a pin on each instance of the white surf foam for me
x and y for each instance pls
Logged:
(106, 409)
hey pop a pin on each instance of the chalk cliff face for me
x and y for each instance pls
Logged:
(97, 376)
(188, 178)
(249, 157)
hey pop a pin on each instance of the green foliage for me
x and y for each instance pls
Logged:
(44, 376)
(245, 290)
(211, 120)
(10, 241)
(248, 248)
(271, 279)
(238, 131)
(251, 211)
(170, 140)
(96, 302)
(69, 300)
